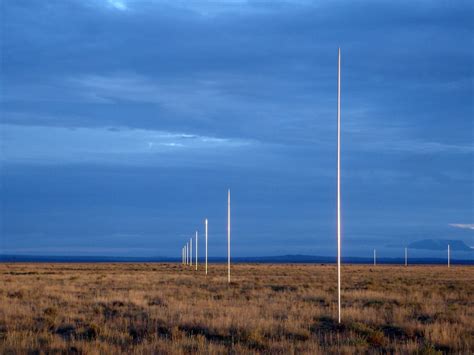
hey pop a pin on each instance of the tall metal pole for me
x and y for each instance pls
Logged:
(375, 257)
(187, 253)
(206, 244)
(196, 261)
(191, 251)
(228, 235)
(406, 256)
(339, 184)
(449, 256)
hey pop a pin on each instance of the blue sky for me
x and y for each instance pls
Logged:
(123, 123)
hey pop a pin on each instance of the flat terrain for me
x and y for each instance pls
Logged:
(170, 308)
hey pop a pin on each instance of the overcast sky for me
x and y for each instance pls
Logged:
(123, 123)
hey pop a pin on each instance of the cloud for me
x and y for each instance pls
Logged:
(52, 145)
(255, 71)
(463, 226)
(177, 94)
(117, 4)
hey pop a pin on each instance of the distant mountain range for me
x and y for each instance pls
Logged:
(440, 244)
(279, 259)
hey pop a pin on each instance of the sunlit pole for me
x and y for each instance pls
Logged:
(339, 184)
(375, 257)
(191, 251)
(196, 261)
(206, 244)
(228, 236)
(187, 253)
(449, 256)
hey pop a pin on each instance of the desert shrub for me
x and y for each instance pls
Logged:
(157, 301)
(376, 339)
(429, 349)
(50, 312)
(255, 340)
(425, 318)
(317, 300)
(3, 332)
(326, 324)
(283, 288)
(138, 332)
(16, 294)
(298, 335)
(394, 332)
(66, 331)
(91, 332)
(373, 303)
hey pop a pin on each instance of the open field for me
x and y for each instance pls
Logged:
(169, 308)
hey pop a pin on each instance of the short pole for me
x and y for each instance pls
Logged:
(191, 251)
(196, 261)
(449, 256)
(406, 256)
(375, 257)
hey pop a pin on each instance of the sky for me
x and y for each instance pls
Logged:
(124, 122)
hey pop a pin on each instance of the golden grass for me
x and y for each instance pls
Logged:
(287, 309)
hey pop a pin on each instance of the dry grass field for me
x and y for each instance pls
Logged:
(287, 309)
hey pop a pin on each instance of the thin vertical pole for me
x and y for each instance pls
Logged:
(196, 261)
(339, 184)
(449, 256)
(228, 236)
(187, 253)
(191, 251)
(406, 256)
(206, 244)
(375, 257)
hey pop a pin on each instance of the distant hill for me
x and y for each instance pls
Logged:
(440, 244)
(278, 259)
